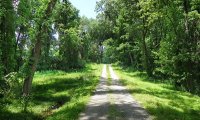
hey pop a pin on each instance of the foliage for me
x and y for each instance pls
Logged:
(70, 47)
(160, 37)
(7, 41)
(7, 37)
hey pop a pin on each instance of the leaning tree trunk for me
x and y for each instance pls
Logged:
(35, 52)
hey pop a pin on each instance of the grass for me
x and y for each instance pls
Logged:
(112, 109)
(161, 100)
(56, 95)
(113, 113)
(109, 79)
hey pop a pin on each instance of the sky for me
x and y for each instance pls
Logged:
(86, 7)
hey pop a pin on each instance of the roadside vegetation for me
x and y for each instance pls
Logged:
(57, 95)
(158, 97)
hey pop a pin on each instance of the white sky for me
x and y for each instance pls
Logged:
(86, 7)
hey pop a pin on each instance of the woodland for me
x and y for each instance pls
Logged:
(45, 44)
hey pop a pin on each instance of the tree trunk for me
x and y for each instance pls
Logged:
(35, 53)
(131, 58)
(47, 44)
(190, 80)
(33, 60)
(146, 58)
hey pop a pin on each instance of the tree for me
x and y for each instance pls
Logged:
(23, 12)
(160, 37)
(70, 44)
(36, 50)
(7, 36)
(70, 50)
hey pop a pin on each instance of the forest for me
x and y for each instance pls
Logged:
(50, 56)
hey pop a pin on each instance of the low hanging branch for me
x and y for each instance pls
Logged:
(36, 50)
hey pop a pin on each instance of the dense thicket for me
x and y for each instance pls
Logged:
(160, 37)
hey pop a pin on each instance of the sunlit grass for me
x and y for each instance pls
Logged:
(109, 79)
(65, 92)
(161, 100)
(113, 113)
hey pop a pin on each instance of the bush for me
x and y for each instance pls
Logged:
(10, 86)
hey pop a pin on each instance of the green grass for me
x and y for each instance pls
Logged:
(69, 91)
(109, 80)
(113, 113)
(112, 109)
(161, 100)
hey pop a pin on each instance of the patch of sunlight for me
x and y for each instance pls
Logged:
(161, 100)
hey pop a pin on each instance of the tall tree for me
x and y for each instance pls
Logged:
(67, 23)
(7, 36)
(23, 20)
(36, 50)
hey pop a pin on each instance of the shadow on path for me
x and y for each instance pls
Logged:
(116, 95)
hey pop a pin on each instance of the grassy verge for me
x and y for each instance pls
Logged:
(161, 100)
(56, 95)
(113, 113)
(112, 110)
(109, 80)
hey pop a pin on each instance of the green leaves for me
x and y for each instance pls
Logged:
(161, 35)
(7, 36)
(194, 15)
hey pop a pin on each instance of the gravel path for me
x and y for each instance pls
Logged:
(125, 106)
(112, 102)
(97, 107)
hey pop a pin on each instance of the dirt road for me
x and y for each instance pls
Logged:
(112, 102)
